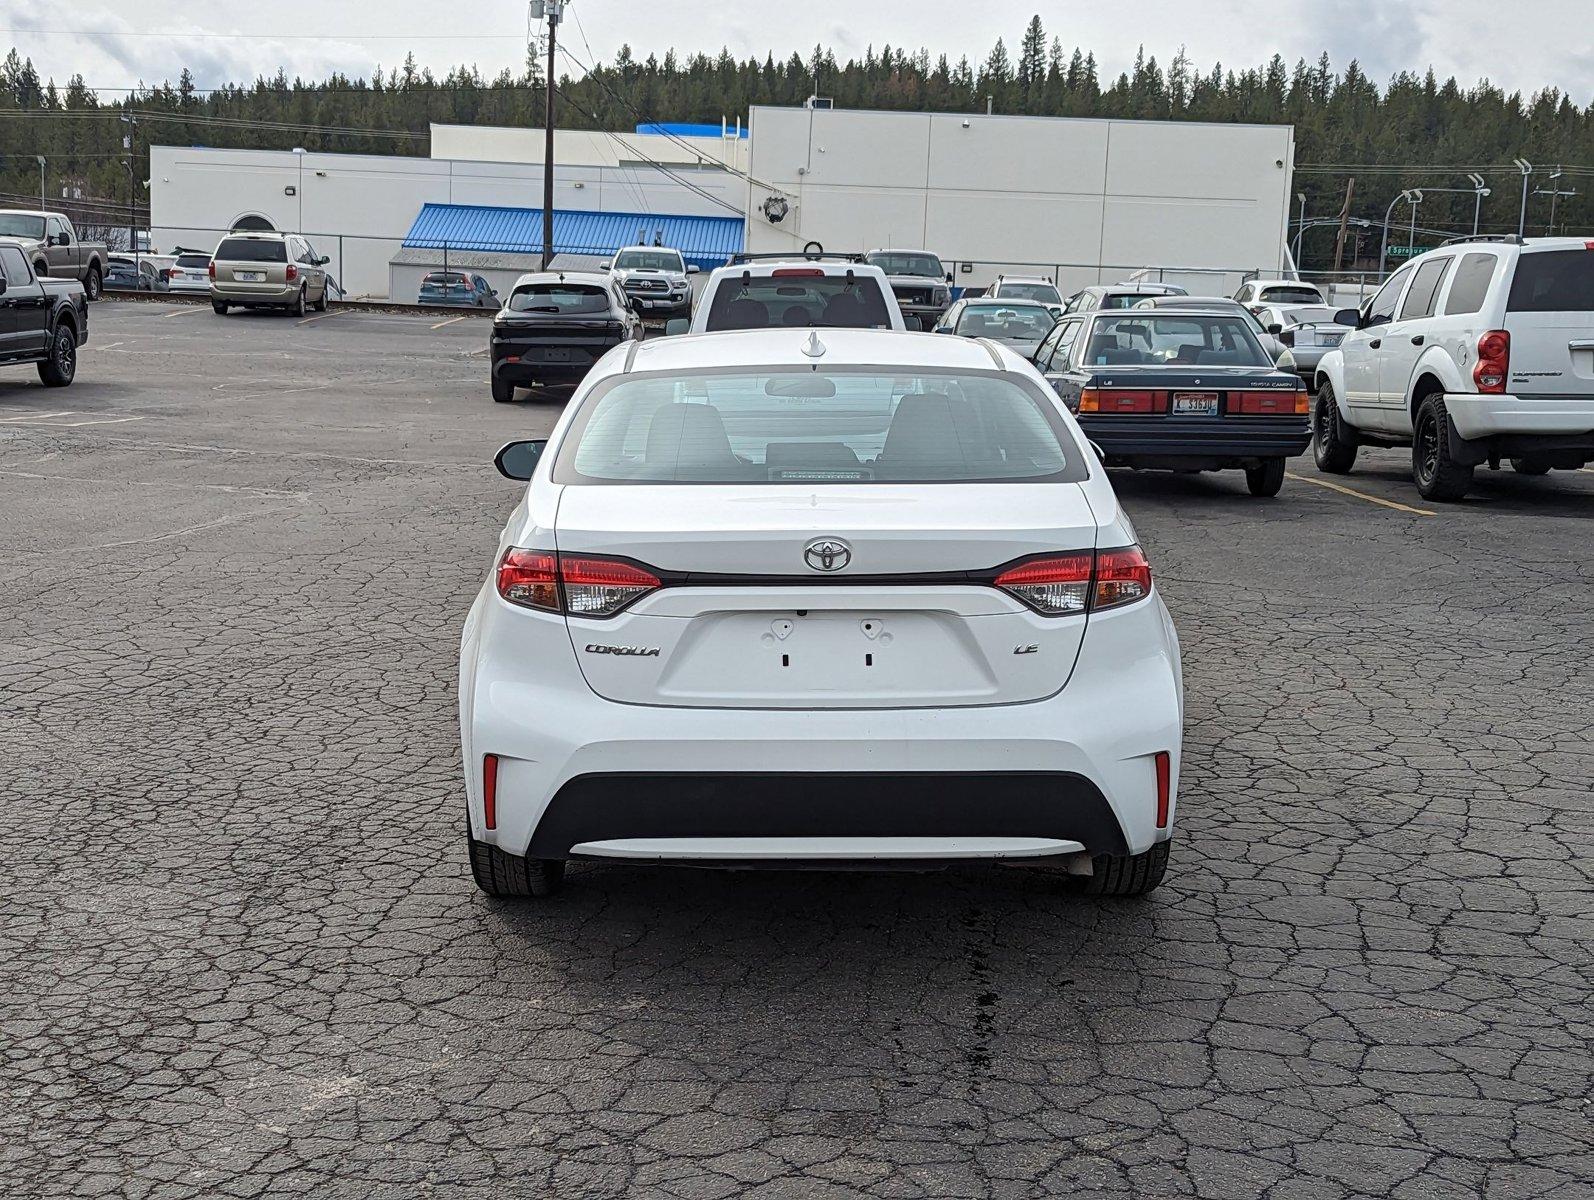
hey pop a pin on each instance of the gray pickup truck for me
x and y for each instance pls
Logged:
(55, 249)
(42, 321)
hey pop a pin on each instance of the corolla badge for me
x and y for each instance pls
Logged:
(827, 554)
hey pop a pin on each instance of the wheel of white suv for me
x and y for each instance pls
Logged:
(513, 875)
(1333, 447)
(1127, 874)
(1267, 479)
(1437, 475)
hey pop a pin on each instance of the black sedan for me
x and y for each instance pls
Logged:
(555, 326)
(1178, 391)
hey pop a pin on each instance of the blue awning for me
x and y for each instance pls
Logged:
(704, 241)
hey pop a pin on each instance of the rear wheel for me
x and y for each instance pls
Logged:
(503, 391)
(1333, 449)
(297, 307)
(219, 307)
(93, 283)
(1437, 475)
(513, 875)
(321, 304)
(1530, 466)
(60, 367)
(1267, 479)
(1127, 874)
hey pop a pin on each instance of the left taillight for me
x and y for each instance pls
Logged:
(1057, 585)
(576, 585)
(211, 270)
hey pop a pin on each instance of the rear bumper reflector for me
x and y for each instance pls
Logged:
(1164, 787)
(490, 790)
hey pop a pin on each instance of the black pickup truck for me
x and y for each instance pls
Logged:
(42, 321)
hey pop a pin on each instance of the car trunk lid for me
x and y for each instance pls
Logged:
(1550, 317)
(749, 617)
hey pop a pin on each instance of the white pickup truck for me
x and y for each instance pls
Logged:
(1477, 352)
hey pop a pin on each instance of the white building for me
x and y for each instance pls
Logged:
(1082, 201)
(670, 145)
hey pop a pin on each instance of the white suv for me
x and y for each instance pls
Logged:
(795, 292)
(1475, 352)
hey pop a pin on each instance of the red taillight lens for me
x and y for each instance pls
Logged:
(592, 587)
(530, 578)
(1269, 404)
(293, 272)
(797, 273)
(1125, 401)
(1054, 586)
(1122, 577)
(1494, 358)
(601, 587)
(212, 270)
(1069, 583)
(490, 790)
(1164, 762)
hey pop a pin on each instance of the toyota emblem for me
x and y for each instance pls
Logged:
(827, 554)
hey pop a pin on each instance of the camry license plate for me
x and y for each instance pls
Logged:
(249, 276)
(1195, 404)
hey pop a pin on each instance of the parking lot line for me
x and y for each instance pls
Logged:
(1335, 487)
(450, 321)
(182, 312)
(317, 317)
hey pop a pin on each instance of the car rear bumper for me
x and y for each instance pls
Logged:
(255, 293)
(1482, 416)
(641, 781)
(1198, 442)
(510, 364)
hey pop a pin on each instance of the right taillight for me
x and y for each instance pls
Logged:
(1057, 585)
(1494, 358)
(577, 585)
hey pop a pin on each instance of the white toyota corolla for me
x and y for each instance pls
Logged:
(780, 596)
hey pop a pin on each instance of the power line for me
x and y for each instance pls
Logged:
(179, 35)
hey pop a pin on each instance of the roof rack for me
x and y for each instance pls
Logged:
(1509, 238)
(812, 252)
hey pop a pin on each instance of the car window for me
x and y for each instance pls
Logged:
(560, 298)
(14, 265)
(265, 250)
(1126, 299)
(1005, 322)
(1470, 284)
(1424, 288)
(1308, 314)
(1293, 294)
(1068, 337)
(1553, 281)
(1044, 292)
(649, 260)
(56, 227)
(798, 300)
(801, 426)
(197, 261)
(1043, 352)
(1382, 307)
(21, 225)
(1174, 339)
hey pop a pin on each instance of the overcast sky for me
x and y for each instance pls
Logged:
(1524, 45)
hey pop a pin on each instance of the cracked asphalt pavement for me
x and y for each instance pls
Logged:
(241, 955)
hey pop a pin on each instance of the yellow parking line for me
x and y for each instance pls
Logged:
(1335, 487)
(450, 321)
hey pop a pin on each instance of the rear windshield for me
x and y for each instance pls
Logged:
(193, 260)
(1553, 281)
(1006, 322)
(1309, 314)
(799, 301)
(1043, 292)
(804, 426)
(898, 262)
(442, 279)
(1180, 340)
(252, 250)
(1127, 299)
(1291, 295)
(649, 260)
(559, 298)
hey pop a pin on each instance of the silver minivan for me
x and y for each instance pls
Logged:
(267, 270)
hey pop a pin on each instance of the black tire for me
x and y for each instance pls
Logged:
(512, 875)
(219, 307)
(503, 391)
(1267, 479)
(1530, 466)
(94, 284)
(1127, 874)
(1333, 447)
(321, 304)
(1436, 474)
(298, 306)
(60, 367)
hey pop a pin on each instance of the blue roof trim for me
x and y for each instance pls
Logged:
(702, 241)
(687, 129)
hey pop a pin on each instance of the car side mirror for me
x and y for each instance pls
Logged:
(691, 270)
(1349, 316)
(1275, 329)
(323, 260)
(676, 325)
(518, 460)
(942, 329)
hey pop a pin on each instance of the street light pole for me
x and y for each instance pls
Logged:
(1383, 254)
(1478, 193)
(1300, 231)
(1411, 238)
(1527, 169)
(553, 10)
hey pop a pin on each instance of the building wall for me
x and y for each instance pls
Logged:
(356, 208)
(1083, 201)
(585, 147)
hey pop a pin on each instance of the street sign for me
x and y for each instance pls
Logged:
(1408, 251)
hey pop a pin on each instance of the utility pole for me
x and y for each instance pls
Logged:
(1554, 192)
(40, 157)
(1527, 169)
(1300, 231)
(1344, 219)
(552, 10)
(129, 140)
